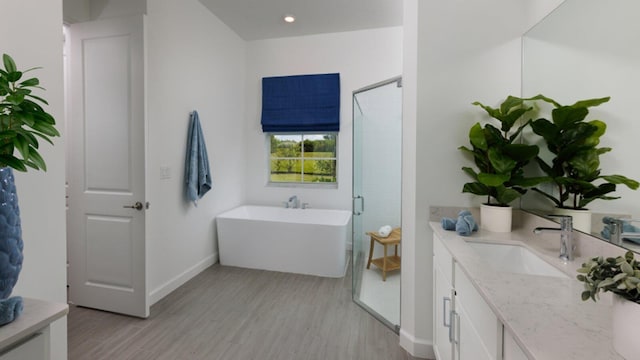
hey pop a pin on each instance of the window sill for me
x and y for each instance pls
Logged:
(303, 185)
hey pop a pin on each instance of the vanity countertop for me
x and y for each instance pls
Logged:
(37, 314)
(545, 315)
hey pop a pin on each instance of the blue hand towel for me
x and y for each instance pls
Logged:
(448, 223)
(197, 175)
(10, 309)
(466, 224)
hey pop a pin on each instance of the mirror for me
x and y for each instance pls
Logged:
(589, 49)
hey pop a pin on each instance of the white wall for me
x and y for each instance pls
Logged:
(465, 51)
(102, 9)
(361, 57)
(194, 63)
(75, 11)
(32, 35)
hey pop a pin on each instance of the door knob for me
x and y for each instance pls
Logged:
(138, 206)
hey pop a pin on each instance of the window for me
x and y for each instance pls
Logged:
(302, 158)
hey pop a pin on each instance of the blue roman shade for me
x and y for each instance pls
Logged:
(301, 103)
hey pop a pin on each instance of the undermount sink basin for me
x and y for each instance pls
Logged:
(515, 259)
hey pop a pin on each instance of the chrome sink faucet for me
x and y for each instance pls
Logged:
(566, 236)
(617, 232)
(293, 200)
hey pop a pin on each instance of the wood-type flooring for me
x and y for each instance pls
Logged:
(229, 313)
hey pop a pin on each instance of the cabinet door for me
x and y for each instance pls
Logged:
(511, 349)
(442, 306)
(479, 314)
(468, 343)
(443, 300)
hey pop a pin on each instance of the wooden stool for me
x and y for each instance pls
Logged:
(386, 263)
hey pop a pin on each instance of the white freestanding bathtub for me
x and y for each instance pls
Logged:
(309, 241)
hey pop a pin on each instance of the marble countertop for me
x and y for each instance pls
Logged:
(37, 314)
(545, 315)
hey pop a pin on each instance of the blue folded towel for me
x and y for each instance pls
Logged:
(197, 175)
(448, 223)
(10, 309)
(464, 225)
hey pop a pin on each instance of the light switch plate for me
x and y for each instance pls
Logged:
(165, 172)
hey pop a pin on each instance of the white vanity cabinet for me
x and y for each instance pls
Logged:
(28, 336)
(481, 312)
(465, 327)
(444, 295)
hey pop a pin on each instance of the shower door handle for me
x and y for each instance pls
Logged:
(361, 205)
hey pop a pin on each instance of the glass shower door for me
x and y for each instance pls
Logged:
(358, 254)
(377, 180)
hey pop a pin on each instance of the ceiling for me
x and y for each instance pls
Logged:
(263, 19)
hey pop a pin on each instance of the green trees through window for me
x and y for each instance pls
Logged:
(303, 158)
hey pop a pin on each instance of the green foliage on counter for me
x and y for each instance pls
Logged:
(575, 166)
(498, 155)
(620, 275)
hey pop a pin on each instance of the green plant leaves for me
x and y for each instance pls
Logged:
(22, 120)
(564, 117)
(591, 102)
(498, 159)
(506, 195)
(30, 82)
(493, 179)
(476, 137)
(476, 188)
(618, 275)
(619, 179)
(575, 169)
(521, 152)
(502, 163)
(9, 64)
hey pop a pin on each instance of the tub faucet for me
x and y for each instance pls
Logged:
(566, 236)
(293, 201)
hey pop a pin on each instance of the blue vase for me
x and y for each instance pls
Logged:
(10, 234)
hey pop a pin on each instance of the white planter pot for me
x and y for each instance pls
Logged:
(625, 320)
(496, 218)
(581, 218)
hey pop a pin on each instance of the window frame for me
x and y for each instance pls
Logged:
(325, 185)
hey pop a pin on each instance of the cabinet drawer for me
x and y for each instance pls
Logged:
(443, 259)
(485, 322)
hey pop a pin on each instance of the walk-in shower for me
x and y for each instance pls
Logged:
(377, 178)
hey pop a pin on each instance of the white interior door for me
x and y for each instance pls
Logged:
(107, 166)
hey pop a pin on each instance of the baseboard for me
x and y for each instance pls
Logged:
(166, 288)
(416, 347)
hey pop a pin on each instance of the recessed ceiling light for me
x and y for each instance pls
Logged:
(289, 18)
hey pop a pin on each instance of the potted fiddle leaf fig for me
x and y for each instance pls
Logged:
(620, 276)
(23, 121)
(574, 169)
(500, 160)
